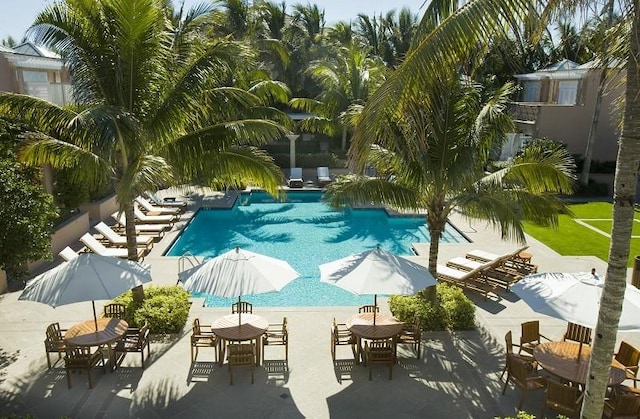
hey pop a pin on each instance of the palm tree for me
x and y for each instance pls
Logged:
(432, 155)
(346, 81)
(144, 115)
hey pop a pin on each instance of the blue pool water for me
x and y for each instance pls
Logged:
(305, 232)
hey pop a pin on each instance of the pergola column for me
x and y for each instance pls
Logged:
(292, 149)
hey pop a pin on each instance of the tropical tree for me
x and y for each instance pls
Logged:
(432, 155)
(146, 116)
(346, 81)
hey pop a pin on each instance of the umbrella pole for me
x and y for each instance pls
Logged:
(95, 318)
(239, 311)
(579, 352)
(375, 307)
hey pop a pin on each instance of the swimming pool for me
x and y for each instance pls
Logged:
(305, 232)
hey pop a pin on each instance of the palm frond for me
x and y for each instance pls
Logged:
(356, 190)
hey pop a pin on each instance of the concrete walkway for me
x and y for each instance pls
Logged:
(457, 376)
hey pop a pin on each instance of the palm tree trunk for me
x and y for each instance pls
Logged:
(132, 247)
(624, 199)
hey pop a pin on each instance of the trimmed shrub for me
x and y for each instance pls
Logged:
(452, 310)
(165, 309)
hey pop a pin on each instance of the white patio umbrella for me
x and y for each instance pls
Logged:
(87, 277)
(376, 272)
(574, 297)
(238, 272)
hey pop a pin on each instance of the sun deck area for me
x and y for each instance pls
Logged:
(458, 375)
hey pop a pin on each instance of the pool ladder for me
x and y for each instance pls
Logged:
(189, 258)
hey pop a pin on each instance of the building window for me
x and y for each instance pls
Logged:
(531, 91)
(567, 92)
(30, 76)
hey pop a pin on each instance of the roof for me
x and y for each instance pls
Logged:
(29, 55)
(562, 70)
(30, 48)
(6, 49)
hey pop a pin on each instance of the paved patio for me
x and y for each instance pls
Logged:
(457, 377)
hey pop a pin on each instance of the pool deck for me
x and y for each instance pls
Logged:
(457, 376)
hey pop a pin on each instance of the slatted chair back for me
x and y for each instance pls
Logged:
(411, 334)
(241, 355)
(369, 309)
(135, 341)
(340, 335)
(629, 356)
(115, 311)
(277, 335)
(523, 375)
(242, 307)
(563, 399)
(626, 405)
(577, 333)
(202, 337)
(530, 336)
(80, 358)
(380, 352)
(54, 342)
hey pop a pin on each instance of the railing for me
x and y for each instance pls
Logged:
(523, 112)
(189, 258)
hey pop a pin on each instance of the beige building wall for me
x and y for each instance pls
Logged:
(7, 76)
(571, 124)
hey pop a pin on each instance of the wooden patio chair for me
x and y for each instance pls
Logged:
(629, 356)
(380, 352)
(563, 399)
(509, 345)
(530, 336)
(523, 377)
(277, 335)
(370, 308)
(577, 333)
(340, 335)
(623, 405)
(54, 342)
(134, 341)
(241, 355)
(80, 358)
(241, 307)
(115, 311)
(202, 337)
(411, 334)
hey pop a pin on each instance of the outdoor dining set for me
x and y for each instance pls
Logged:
(560, 367)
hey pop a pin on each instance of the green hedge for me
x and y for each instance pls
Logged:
(452, 309)
(165, 309)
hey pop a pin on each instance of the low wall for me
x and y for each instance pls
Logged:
(101, 210)
(3, 282)
(66, 234)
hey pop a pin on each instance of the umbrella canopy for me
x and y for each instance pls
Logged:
(376, 272)
(574, 297)
(238, 272)
(88, 277)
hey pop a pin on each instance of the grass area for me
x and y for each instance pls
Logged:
(605, 225)
(573, 239)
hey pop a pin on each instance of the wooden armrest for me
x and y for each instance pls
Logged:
(543, 336)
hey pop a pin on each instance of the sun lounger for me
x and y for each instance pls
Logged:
(118, 240)
(467, 280)
(154, 229)
(511, 260)
(167, 201)
(154, 209)
(323, 176)
(295, 178)
(154, 219)
(96, 247)
(68, 254)
(493, 271)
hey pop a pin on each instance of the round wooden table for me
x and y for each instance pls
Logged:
(85, 334)
(362, 327)
(561, 359)
(239, 328)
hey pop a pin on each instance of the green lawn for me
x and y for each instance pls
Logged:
(573, 239)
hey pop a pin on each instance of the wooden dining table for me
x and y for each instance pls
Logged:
(108, 331)
(362, 327)
(234, 328)
(561, 360)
